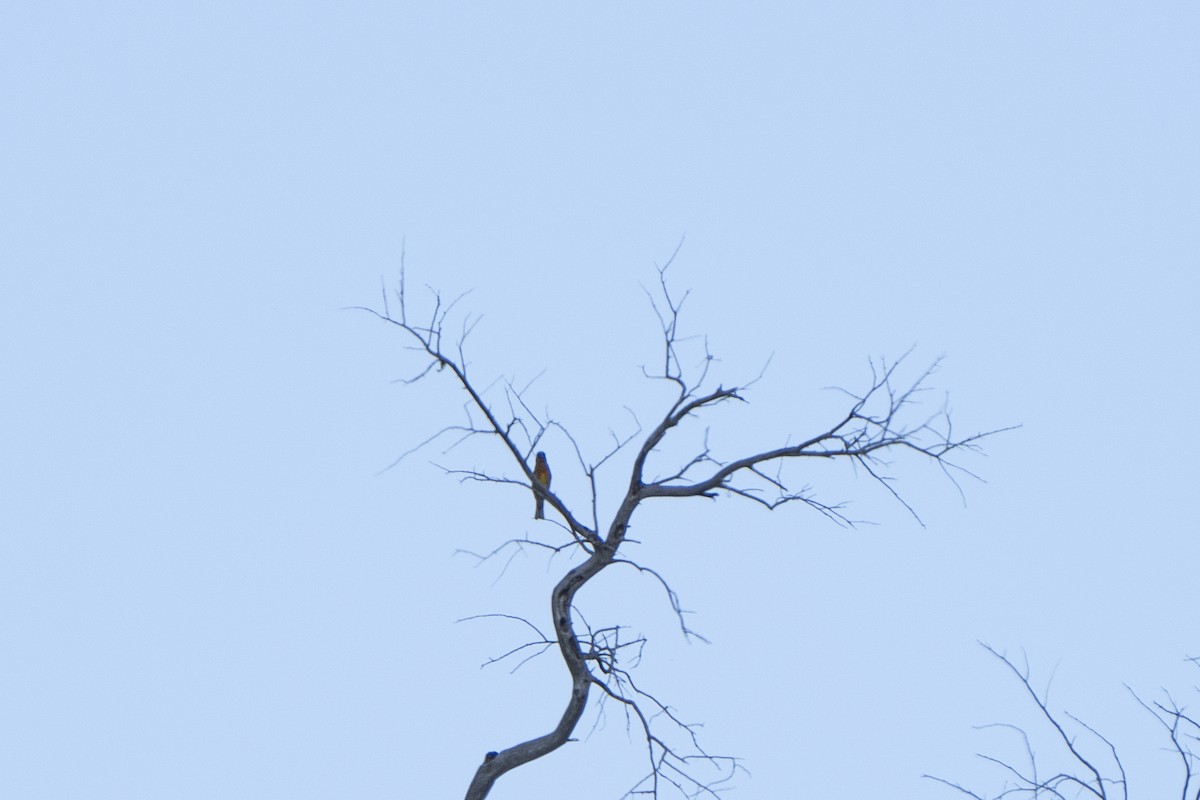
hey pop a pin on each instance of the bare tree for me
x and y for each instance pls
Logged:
(1087, 763)
(877, 424)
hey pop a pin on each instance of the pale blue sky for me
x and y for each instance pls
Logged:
(206, 589)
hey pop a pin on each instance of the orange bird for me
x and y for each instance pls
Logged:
(541, 474)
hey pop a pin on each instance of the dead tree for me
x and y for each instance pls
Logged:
(877, 424)
(1086, 764)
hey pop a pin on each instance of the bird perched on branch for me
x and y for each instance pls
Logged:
(541, 474)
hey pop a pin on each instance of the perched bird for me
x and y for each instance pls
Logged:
(541, 474)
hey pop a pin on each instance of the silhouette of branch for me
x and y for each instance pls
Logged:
(876, 423)
(1084, 773)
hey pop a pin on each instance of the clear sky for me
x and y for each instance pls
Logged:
(210, 586)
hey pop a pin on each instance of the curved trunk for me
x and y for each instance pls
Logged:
(495, 765)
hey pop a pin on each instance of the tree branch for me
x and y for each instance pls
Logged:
(871, 427)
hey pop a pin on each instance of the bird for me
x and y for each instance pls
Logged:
(541, 474)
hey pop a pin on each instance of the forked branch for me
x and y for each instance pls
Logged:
(1078, 769)
(875, 423)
